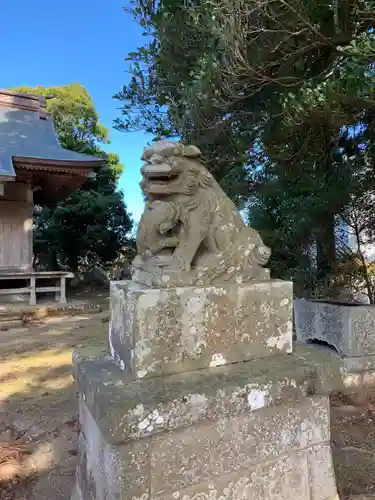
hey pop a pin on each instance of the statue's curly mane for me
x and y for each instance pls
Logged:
(193, 175)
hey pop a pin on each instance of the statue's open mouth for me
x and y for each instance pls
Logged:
(161, 179)
(159, 174)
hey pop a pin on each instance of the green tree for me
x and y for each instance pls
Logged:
(271, 91)
(92, 223)
(163, 96)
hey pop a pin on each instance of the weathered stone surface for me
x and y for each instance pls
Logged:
(293, 477)
(162, 331)
(242, 431)
(321, 474)
(190, 232)
(124, 409)
(328, 365)
(105, 471)
(156, 278)
(348, 328)
(359, 364)
(292, 462)
(334, 372)
(76, 493)
(180, 459)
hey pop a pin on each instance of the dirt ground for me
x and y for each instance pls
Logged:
(353, 444)
(39, 425)
(38, 405)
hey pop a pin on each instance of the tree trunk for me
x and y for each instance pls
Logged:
(52, 261)
(365, 269)
(326, 246)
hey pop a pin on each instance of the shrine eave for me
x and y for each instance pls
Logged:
(85, 168)
(28, 141)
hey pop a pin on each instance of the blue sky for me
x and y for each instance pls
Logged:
(47, 43)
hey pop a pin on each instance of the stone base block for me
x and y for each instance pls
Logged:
(350, 329)
(336, 373)
(164, 331)
(248, 430)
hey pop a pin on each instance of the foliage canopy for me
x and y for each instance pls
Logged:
(279, 95)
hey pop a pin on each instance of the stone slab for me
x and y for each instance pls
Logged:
(327, 364)
(292, 461)
(350, 329)
(359, 371)
(172, 280)
(231, 432)
(110, 472)
(162, 331)
(200, 453)
(359, 364)
(334, 372)
(126, 409)
(302, 475)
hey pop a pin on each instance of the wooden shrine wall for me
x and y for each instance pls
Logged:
(16, 228)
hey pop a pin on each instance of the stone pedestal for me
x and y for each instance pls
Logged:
(179, 423)
(162, 331)
(350, 329)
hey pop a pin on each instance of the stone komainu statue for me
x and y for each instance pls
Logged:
(191, 232)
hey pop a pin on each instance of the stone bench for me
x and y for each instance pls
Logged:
(32, 276)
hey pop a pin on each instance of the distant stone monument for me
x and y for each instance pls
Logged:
(199, 397)
(347, 327)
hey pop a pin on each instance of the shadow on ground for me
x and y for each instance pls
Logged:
(353, 444)
(38, 405)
